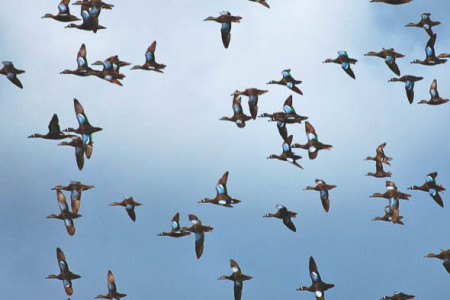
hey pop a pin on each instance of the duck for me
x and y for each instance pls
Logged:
(318, 286)
(287, 153)
(380, 157)
(409, 81)
(83, 69)
(391, 192)
(239, 117)
(430, 59)
(199, 229)
(393, 2)
(150, 63)
(112, 289)
(313, 145)
(82, 147)
(11, 72)
(177, 231)
(284, 214)
(222, 197)
(426, 23)
(431, 187)
(75, 188)
(392, 213)
(262, 2)
(252, 94)
(237, 277)
(90, 19)
(129, 205)
(435, 98)
(110, 76)
(445, 256)
(345, 61)
(84, 127)
(112, 63)
(399, 296)
(289, 81)
(63, 13)
(54, 131)
(94, 3)
(64, 273)
(389, 56)
(380, 173)
(226, 19)
(323, 188)
(65, 213)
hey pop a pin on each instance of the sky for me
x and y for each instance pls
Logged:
(162, 143)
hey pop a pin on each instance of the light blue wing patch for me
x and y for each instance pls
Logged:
(11, 75)
(424, 16)
(323, 194)
(286, 74)
(426, 26)
(432, 192)
(108, 77)
(389, 59)
(286, 147)
(63, 206)
(62, 265)
(343, 53)
(433, 93)
(429, 51)
(175, 226)
(409, 84)
(95, 12)
(85, 15)
(129, 207)
(280, 124)
(429, 179)
(311, 137)
(236, 108)
(85, 139)
(289, 85)
(66, 283)
(81, 62)
(111, 286)
(252, 99)
(74, 194)
(81, 118)
(149, 56)
(345, 65)
(198, 237)
(220, 189)
(288, 109)
(68, 222)
(226, 27)
(63, 9)
(314, 276)
(107, 65)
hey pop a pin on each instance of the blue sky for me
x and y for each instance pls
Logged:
(163, 144)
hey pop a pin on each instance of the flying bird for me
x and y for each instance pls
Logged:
(252, 94)
(284, 214)
(239, 117)
(287, 153)
(380, 173)
(426, 23)
(199, 229)
(54, 131)
(177, 231)
(445, 256)
(150, 63)
(313, 145)
(65, 214)
(11, 73)
(431, 59)
(389, 56)
(83, 146)
(112, 289)
(63, 13)
(322, 187)
(435, 98)
(84, 127)
(237, 277)
(399, 296)
(392, 213)
(82, 64)
(288, 81)
(90, 19)
(222, 197)
(225, 19)
(129, 205)
(431, 187)
(345, 61)
(391, 192)
(64, 273)
(318, 287)
(380, 156)
(409, 81)
(75, 188)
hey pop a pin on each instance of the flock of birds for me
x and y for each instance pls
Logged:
(83, 144)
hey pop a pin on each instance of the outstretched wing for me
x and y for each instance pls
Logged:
(150, 53)
(53, 126)
(238, 290)
(221, 186)
(199, 241)
(226, 35)
(313, 271)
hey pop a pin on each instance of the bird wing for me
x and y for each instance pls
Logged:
(53, 126)
(238, 290)
(446, 264)
(13, 78)
(436, 197)
(111, 282)
(150, 53)
(288, 222)
(325, 200)
(429, 48)
(81, 57)
(433, 89)
(176, 222)
(221, 186)
(310, 132)
(199, 241)
(313, 271)
(226, 35)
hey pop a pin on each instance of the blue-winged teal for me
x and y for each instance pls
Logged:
(199, 229)
(94, 3)
(177, 231)
(425, 22)
(65, 213)
(83, 146)
(313, 145)
(389, 56)
(150, 63)
(84, 127)
(345, 61)
(54, 131)
(288, 81)
(430, 59)
(380, 157)
(392, 213)
(284, 214)
(11, 73)
(83, 69)
(112, 289)
(238, 115)
(431, 187)
(110, 76)
(252, 94)
(445, 256)
(262, 2)
(287, 153)
(222, 197)
(435, 98)
(409, 81)
(323, 188)
(225, 19)
(112, 63)
(399, 296)
(380, 173)
(391, 192)
(90, 19)
(64, 273)
(76, 188)
(129, 205)
(63, 13)
(318, 287)
(237, 277)
(393, 2)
